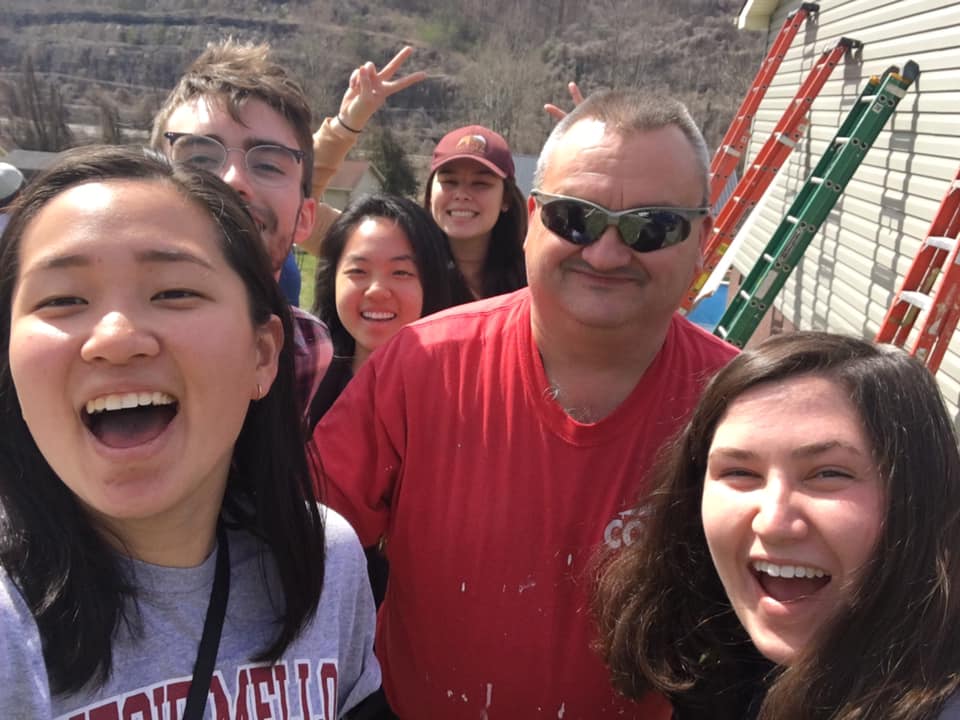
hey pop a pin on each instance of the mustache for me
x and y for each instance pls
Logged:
(578, 264)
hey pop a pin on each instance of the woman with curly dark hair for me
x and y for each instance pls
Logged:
(798, 560)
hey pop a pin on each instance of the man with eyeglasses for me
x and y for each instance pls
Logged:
(237, 113)
(499, 445)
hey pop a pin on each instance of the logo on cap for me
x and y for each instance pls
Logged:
(473, 144)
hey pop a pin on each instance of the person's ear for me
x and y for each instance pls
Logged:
(706, 232)
(531, 206)
(268, 342)
(305, 220)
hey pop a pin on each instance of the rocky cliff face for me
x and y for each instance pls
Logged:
(495, 63)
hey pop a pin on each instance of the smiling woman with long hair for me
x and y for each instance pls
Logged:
(798, 560)
(154, 538)
(472, 195)
(383, 264)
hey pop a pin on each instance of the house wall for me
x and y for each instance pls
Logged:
(368, 184)
(336, 198)
(339, 198)
(852, 268)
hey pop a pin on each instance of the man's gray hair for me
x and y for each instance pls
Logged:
(624, 112)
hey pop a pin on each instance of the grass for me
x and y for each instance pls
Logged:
(308, 267)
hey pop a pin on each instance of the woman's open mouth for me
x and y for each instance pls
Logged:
(789, 583)
(125, 420)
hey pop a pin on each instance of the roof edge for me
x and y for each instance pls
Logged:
(755, 14)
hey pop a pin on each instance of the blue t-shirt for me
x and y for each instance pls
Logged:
(290, 280)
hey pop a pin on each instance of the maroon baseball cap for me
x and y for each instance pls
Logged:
(476, 143)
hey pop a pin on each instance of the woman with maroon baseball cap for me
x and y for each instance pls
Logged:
(473, 196)
(471, 192)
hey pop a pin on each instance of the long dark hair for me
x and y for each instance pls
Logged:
(890, 651)
(69, 575)
(443, 285)
(504, 268)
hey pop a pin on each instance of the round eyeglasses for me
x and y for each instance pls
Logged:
(268, 165)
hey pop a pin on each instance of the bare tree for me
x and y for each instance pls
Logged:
(111, 132)
(38, 118)
(506, 89)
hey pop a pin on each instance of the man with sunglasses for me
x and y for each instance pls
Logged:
(497, 446)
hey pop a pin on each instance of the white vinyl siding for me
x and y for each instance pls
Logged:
(857, 260)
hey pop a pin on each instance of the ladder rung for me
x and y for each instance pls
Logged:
(896, 90)
(941, 242)
(785, 139)
(722, 331)
(744, 294)
(768, 257)
(917, 299)
(841, 140)
(730, 151)
(816, 180)
(791, 219)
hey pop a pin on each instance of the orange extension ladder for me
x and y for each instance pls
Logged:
(757, 178)
(727, 157)
(919, 293)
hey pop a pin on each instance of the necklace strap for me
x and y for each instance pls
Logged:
(212, 628)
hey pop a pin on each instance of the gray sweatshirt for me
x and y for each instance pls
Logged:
(327, 669)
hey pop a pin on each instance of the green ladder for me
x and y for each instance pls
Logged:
(814, 202)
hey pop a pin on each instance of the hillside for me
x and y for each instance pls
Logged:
(495, 64)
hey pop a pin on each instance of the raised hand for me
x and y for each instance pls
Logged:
(559, 114)
(368, 89)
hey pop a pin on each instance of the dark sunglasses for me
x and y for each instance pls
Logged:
(643, 229)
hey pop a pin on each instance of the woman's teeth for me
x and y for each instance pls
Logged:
(787, 571)
(125, 401)
(368, 315)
